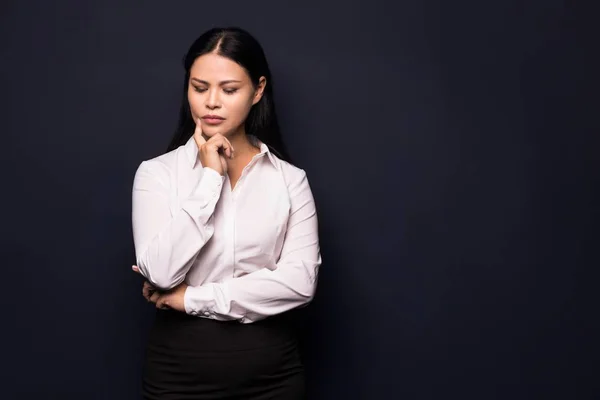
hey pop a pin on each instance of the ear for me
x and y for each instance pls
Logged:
(260, 88)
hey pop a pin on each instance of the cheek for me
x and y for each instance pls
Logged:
(194, 103)
(237, 110)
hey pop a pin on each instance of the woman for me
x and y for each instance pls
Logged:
(225, 233)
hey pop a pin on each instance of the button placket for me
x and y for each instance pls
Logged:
(229, 227)
(245, 172)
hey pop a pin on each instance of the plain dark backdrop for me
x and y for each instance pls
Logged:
(450, 145)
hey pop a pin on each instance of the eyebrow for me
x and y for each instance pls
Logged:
(221, 83)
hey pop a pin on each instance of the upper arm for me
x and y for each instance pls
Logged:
(301, 242)
(150, 203)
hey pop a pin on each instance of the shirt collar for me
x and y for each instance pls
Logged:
(191, 149)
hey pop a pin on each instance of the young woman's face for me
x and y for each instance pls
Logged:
(221, 88)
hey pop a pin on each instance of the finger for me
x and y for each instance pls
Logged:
(147, 295)
(148, 290)
(135, 269)
(221, 144)
(154, 297)
(198, 137)
(226, 150)
(230, 148)
(221, 141)
(162, 303)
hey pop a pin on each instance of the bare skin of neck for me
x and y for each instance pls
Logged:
(243, 154)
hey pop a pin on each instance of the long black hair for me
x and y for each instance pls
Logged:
(241, 47)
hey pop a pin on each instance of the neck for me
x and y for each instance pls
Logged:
(242, 144)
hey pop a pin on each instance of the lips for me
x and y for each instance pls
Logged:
(213, 119)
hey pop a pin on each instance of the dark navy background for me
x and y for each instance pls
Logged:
(453, 155)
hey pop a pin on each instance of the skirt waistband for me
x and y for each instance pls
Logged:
(175, 331)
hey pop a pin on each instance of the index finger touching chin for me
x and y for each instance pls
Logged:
(198, 133)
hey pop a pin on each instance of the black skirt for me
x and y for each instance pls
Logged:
(197, 358)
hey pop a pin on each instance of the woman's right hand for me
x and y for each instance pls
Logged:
(212, 152)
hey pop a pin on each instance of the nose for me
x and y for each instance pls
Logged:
(212, 100)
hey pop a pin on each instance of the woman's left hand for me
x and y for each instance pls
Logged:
(170, 299)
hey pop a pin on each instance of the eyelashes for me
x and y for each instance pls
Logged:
(227, 91)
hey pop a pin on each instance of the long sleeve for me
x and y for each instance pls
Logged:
(269, 291)
(168, 241)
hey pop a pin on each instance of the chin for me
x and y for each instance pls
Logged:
(213, 130)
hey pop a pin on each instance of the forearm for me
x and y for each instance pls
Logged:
(167, 243)
(257, 295)
(275, 288)
(166, 260)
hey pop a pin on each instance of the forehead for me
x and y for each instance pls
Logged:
(215, 67)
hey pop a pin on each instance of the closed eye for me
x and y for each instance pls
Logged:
(202, 90)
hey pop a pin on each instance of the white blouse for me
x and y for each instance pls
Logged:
(246, 253)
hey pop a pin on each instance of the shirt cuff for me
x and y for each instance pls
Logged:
(206, 194)
(211, 184)
(199, 301)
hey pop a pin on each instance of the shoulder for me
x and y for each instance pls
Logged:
(159, 169)
(295, 177)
